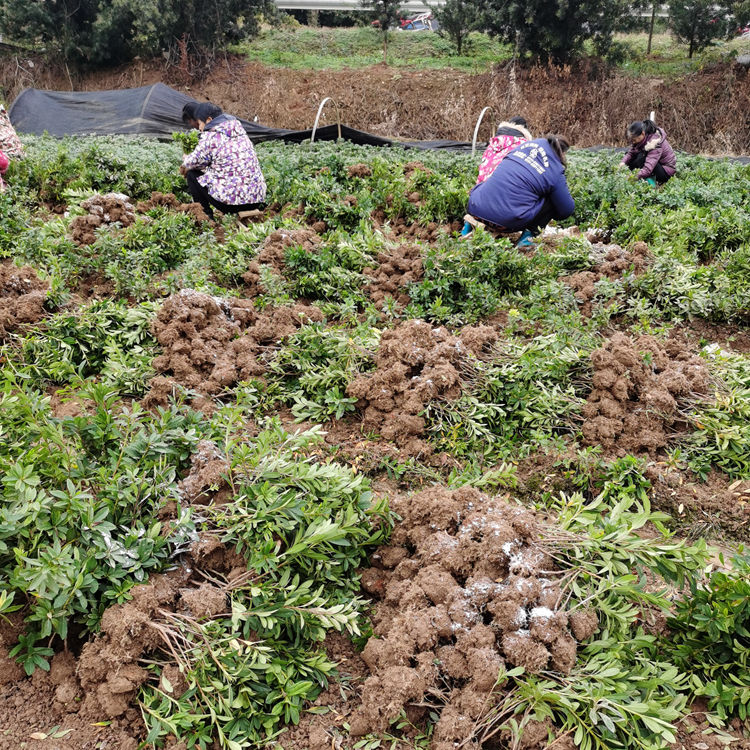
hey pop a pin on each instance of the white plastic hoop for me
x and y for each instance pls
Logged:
(317, 118)
(476, 130)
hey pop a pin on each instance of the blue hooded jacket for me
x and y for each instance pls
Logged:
(515, 192)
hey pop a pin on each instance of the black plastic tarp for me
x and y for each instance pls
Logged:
(156, 110)
(147, 110)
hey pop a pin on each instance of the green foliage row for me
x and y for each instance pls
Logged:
(303, 528)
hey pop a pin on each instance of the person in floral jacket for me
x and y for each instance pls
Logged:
(509, 135)
(223, 171)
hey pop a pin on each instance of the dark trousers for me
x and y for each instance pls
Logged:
(658, 174)
(546, 214)
(201, 195)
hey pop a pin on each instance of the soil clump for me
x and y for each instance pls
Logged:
(611, 262)
(169, 200)
(210, 343)
(22, 297)
(639, 386)
(715, 507)
(101, 684)
(415, 364)
(464, 589)
(272, 254)
(103, 211)
(397, 269)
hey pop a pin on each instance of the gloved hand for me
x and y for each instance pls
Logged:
(621, 165)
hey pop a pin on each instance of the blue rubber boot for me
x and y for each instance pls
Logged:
(467, 230)
(525, 241)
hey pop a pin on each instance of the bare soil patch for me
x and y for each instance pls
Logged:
(414, 365)
(211, 343)
(705, 112)
(639, 386)
(22, 297)
(718, 507)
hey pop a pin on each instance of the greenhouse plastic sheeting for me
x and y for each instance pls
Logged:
(156, 110)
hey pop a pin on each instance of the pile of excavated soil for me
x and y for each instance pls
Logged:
(638, 387)
(22, 297)
(415, 364)
(272, 254)
(210, 343)
(91, 699)
(464, 589)
(103, 210)
(610, 262)
(397, 268)
(169, 200)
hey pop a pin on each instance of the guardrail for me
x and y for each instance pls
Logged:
(410, 6)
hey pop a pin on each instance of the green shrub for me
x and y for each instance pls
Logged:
(106, 338)
(80, 498)
(710, 639)
(304, 529)
(316, 365)
(465, 281)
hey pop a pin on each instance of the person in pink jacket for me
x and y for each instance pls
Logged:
(3, 167)
(509, 135)
(10, 144)
(649, 153)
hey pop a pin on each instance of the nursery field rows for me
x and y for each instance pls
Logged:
(338, 478)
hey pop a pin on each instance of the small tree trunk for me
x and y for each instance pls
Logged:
(385, 48)
(459, 42)
(651, 28)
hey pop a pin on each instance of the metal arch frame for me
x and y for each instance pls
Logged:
(317, 117)
(476, 129)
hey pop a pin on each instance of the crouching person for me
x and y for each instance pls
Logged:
(527, 190)
(223, 171)
(649, 153)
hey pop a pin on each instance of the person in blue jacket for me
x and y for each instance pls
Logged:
(527, 190)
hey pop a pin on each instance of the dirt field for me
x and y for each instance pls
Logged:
(707, 112)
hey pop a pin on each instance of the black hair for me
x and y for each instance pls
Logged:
(519, 121)
(638, 127)
(206, 111)
(188, 113)
(560, 144)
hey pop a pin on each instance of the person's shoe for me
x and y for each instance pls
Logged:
(525, 241)
(651, 181)
(467, 230)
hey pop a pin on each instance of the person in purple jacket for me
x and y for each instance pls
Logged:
(649, 152)
(223, 170)
(527, 190)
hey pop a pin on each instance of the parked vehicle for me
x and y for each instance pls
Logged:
(422, 22)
